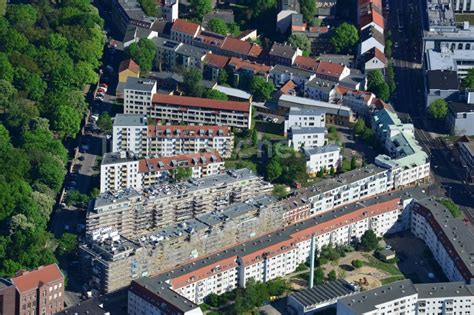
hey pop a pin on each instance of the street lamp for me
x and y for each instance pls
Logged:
(449, 192)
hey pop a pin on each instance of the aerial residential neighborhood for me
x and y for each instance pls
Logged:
(195, 157)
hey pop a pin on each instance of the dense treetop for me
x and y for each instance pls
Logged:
(48, 52)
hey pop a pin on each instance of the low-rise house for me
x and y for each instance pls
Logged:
(320, 89)
(283, 54)
(213, 65)
(281, 74)
(322, 158)
(306, 137)
(374, 59)
(128, 68)
(286, 8)
(461, 118)
(370, 15)
(371, 38)
(184, 31)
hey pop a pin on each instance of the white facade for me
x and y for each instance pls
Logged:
(170, 10)
(373, 64)
(119, 174)
(305, 137)
(128, 132)
(464, 6)
(323, 158)
(305, 118)
(370, 43)
(138, 94)
(173, 146)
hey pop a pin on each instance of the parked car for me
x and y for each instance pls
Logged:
(99, 98)
(275, 120)
(104, 85)
(101, 90)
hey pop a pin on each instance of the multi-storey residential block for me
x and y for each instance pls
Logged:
(112, 262)
(279, 253)
(40, 291)
(133, 133)
(461, 118)
(184, 32)
(322, 158)
(441, 84)
(129, 134)
(319, 89)
(306, 137)
(283, 54)
(128, 13)
(147, 297)
(281, 74)
(123, 170)
(170, 10)
(448, 238)
(304, 118)
(7, 297)
(407, 162)
(405, 297)
(335, 113)
(138, 95)
(134, 212)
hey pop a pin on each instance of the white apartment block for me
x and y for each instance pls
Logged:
(132, 133)
(322, 158)
(405, 297)
(123, 170)
(119, 171)
(305, 118)
(447, 238)
(170, 10)
(306, 137)
(138, 94)
(128, 133)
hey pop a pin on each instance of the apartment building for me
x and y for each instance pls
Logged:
(138, 95)
(132, 212)
(407, 162)
(112, 262)
(337, 114)
(128, 134)
(448, 238)
(405, 297)
(133, 133)
(322, 158)
(39, 291)
(281, 74)
(172, 54)
(304, 118)
(283, 54)
(7, 297)
(279, 253)
(199, 111)
(306, 137)
(147, 297)
(123, 170)
(129, 14)
(184, 31)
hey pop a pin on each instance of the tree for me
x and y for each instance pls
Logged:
(390, 75)
(261, 89)
(353, 163)
(438, 109)
(369, 241)
(193, 82)
(182, 173)
(3, 7)
(150, 7)
(258, 7)
(215, 95)
(468, 81)
(49, 170)
(308, 9)
(74, 197)
(356, 263)
(66, 120)
(218, 26)
(332, 276)
(223, 77)
(254, 137)
(143, 53)
(359, 126)
(200, 8)
(6, 69)
(22, 15)
(213, 300)
(279, 191)
(344, 37)
(318, 276)
(377, 85)
(332, 172)
(302, 42)
(274, 170)
(105, 122)
(67, 244)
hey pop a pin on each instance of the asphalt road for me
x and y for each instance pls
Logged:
(406, 22)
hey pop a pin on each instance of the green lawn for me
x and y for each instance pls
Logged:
(465, 17)
(391, 279)
(377, 264)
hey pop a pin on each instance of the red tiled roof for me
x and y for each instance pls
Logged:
(130, 65)
(256, 67)
(330, 69)
(217, 61)
(289, 85)
(306, 63)
(298, 28)
(380, 55)
(201, 102)
(204, 272)
(187, 131)
(165, 163)
(29, 280)
(318, 29)
(268, 251)
(372, 16)
(241, 47)
(210, 38)
(184, 26)
(364, 3)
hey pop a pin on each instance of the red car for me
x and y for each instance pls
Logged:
(104, 85)
(101, 90)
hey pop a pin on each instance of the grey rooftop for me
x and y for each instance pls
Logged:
(326, 292)
(131, 120)
(138, 84)
(307, 130)
(321, 150)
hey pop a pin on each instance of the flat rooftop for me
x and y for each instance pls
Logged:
(322, 293)
(138, 84)
(132, 120)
